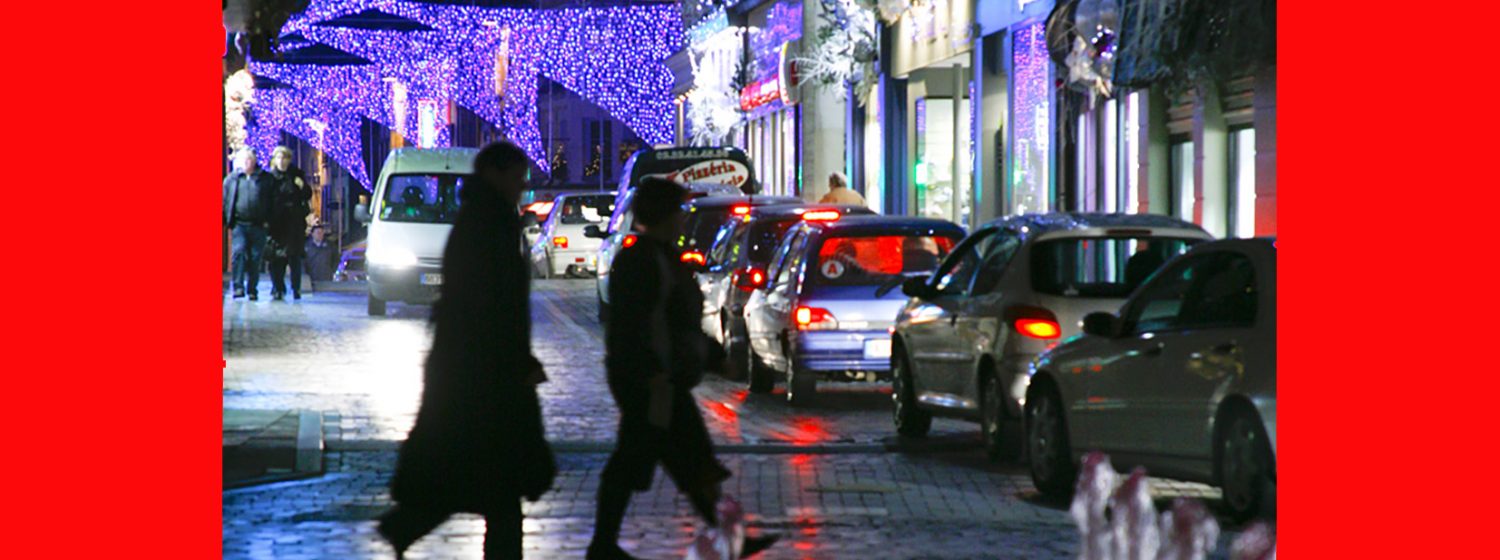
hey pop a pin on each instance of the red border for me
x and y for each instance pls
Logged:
(112, 355)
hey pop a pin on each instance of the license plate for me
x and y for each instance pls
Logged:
(436, 279)
(877, 349)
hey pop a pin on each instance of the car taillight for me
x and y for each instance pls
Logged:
(749, 278)
(629, 241)
(1034, 322)
(741, 210)
(693, 257)
(814, 318)
(1038, 328)
(821, 215)
(560, 242)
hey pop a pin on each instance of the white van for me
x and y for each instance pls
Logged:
(412, 212)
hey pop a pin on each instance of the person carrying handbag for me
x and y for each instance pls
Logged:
(655, 353)
(478, 445)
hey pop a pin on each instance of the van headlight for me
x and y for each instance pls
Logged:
(390, 257)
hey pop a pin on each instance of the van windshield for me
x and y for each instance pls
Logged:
(422, 198)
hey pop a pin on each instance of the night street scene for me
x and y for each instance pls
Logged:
(720, 279)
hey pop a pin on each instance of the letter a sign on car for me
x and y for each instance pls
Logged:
(833, 269)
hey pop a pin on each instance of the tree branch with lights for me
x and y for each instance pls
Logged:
(843, 49)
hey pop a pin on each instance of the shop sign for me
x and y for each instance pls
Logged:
(761, 93)
(691, 153)
(717, 171)
(787, 76)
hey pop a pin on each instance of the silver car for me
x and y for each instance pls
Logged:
(1010, 291)
(1182, 381)
(561, 248)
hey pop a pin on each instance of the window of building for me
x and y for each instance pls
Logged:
(1180, 164)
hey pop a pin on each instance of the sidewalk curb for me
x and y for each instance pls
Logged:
(308, 455)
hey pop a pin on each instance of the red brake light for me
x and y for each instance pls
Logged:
(629, 241)
(1034, 322)
(741, 210)
(821, 215)
(814, 318)
(694, 257)
(749, 278)
(1038, 328)
(560, 242)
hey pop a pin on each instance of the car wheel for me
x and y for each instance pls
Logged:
(801, 387)
(1246, 473)
(375, 306)
(998, 444)
(910, 420)
(735, 354)
(762, 378)
(1050, 454)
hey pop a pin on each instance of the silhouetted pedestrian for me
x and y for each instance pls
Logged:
(655, 352)
(249, 196)
(288, 223)
(478, 443)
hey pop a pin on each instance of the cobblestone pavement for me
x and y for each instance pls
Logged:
(829, 478)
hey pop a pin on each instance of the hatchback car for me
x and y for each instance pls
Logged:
(828, 306)
(621, 233)
(1182, 381)
(705, 216)
(736, 265)
(1007, 293)
(561, 249)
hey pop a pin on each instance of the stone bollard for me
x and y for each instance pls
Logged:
(1133, 519)
(1189, 531)
(1096, 481)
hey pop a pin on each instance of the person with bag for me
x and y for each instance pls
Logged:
(478, 445)
(288, 224)
(655, 352)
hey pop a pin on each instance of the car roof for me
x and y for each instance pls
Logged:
(722, 200)
(797, 208)
(1038, 224)
(1248, 244)
(575, 194)
(882, 222)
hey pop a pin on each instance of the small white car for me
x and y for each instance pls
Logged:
(561, 248)
(1182, 381)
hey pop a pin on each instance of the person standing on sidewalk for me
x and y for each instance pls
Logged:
(288, 223)
(478, 444)
(839, 191)
(249, 196)
(655, 352)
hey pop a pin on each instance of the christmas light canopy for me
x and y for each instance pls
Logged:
(486, 60)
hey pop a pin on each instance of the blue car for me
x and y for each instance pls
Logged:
(832, 294)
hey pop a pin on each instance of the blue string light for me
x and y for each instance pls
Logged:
(613, 57)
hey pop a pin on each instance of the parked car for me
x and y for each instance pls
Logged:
(823, 313)
(561, 248)
(621, 234)
(736, 265)
(415, 203)
(351, 266)
(1182, 381)
(1010, 291)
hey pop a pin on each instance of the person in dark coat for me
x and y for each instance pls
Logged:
(319, 256)
(655, 352)
(249, 197)
(288, 223)
(478, 444)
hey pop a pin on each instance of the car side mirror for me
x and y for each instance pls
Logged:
(916, 286)
(592, 231)
(362, 213)
(1101, 324)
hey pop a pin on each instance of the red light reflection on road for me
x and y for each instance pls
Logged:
(807, 430)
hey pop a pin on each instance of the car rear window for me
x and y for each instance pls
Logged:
(763, 238)
(1099, 267)
(873, 259)
(586, 209)
(702, 225)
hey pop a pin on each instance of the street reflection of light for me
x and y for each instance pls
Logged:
(807, 430)
(393, 380)
(803, 545)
